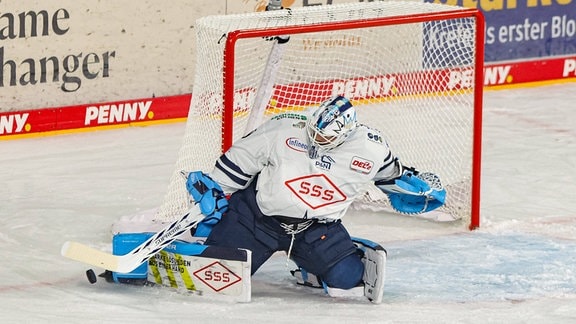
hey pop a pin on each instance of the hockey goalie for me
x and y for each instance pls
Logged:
(286, 186)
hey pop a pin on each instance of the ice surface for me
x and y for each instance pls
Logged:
(519, 267)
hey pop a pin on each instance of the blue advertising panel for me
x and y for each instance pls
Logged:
(521, 29)
(456, 38)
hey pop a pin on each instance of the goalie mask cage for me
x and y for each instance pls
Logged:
(412, 70)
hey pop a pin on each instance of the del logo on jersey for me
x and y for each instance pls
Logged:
(315, 190)
(361, 165)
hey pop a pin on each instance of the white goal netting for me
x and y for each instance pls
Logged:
(409, 68)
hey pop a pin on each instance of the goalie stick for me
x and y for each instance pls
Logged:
(264, 93)
(130, 261)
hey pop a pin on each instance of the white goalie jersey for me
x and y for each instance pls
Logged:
(290, 182)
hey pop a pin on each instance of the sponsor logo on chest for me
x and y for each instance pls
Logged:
(325, 162)
(296, 144)
(316, 190)
(361, 165)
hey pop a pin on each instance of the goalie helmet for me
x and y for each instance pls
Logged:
(331, 124)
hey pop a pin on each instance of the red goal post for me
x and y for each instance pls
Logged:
(430, 108)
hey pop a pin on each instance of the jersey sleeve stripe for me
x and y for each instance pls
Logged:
(234, 167)
(238, 180)
(390, 161)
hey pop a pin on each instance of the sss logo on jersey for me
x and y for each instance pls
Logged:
(316, 190)
(361, 165)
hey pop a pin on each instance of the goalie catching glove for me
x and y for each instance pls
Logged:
(414, 192)
(209, 195)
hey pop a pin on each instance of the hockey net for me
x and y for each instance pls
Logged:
(412, 70)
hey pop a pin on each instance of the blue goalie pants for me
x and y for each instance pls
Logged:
(324, 249)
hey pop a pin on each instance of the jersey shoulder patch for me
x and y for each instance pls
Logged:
(373, 135)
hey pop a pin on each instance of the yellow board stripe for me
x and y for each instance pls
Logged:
(185, 274)
(169, 272)
(153, 266)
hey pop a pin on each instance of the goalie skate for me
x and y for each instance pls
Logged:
(374, 259)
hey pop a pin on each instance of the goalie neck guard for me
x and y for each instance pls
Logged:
(331, 123)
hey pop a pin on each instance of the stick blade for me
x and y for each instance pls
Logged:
(85, 254)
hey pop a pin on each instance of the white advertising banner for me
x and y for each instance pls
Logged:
(60, 61)
(69, 52)
(58, 53)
